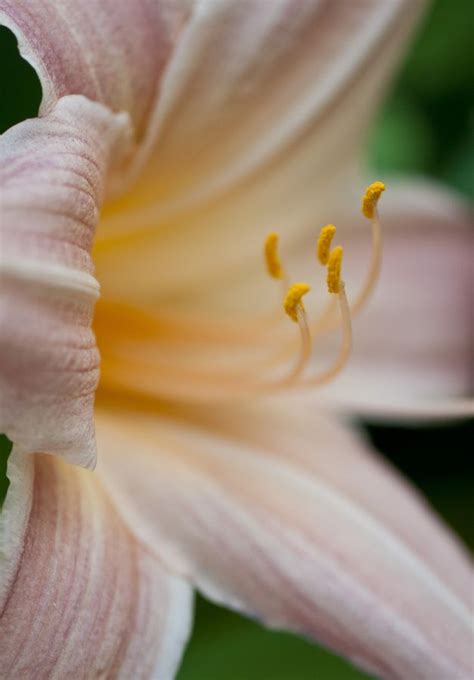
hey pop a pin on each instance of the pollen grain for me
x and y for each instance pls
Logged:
(334, 270)
(370, 199)
(292, 302)
(324, 243)
(272, 258)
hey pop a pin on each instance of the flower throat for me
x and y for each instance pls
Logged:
(153, 355)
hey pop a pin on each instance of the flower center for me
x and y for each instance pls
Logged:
(149, 354)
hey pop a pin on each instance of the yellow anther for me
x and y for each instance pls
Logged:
(370, 198)
(272, 258)
(324, 243)
(292, 300)
(334, 270)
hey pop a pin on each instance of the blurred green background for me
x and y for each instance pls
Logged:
(426, 126)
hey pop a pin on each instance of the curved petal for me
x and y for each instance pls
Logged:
(214, 89)
(246, 81)
(110, 51)
(51, 183)
(79, 597)
(247, 136)
(413, 342)
(281, 515)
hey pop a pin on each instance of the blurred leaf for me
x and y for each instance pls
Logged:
(437, 459)
(225, 646)
(427, 121)
(441, 61)
(459, 170)
(20, 89)
(5, 449)
(403, 140)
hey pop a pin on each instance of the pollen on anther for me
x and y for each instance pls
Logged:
(324, 243)
(334, 270)
(293, 302)
(272, 258)
(370, 198)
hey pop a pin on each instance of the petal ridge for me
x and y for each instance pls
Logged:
(53, 179)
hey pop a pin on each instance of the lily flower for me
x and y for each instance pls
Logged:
(172, 136)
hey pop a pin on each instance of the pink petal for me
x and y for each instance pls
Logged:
(111, 51)
(79, 596)
(51, 184)
(413, 342)
(278, 513)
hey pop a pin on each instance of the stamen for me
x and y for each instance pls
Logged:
(294, 307)
(370, 199)
(346, 346)
(369, 210)
(336, 286)
(324, 243)
(332, 259)
(334, 270)
(327, 322)
(293, 302)
(295, 310)
(274, 266)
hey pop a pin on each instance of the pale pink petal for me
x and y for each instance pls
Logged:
(79, 597)
(413, 342)
(276, 512)
(51, 189)
(111, 51)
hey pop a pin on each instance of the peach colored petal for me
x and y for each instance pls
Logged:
(247, 79)
(80, 597)
(413, 342)
(52, 184)
(277, 513)
(251, 133)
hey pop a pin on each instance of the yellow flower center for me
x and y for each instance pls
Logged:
(149, 354)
